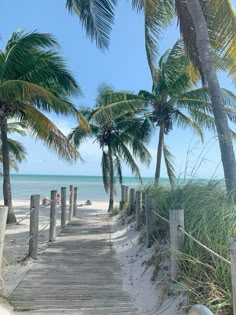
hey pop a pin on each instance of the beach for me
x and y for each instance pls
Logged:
(132, 255)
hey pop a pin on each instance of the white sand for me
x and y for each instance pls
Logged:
(150, 297)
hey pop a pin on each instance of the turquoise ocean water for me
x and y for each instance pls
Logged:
(89, 187)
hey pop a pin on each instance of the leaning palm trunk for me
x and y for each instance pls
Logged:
(209, 71)
(159, 154)
(6, 172)
(111, 175)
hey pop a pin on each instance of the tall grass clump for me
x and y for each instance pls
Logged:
(210, 217)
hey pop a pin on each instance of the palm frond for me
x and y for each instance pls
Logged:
(19, 45)
(200, 99)
(136, 128)
(96, 16)
(231, 114)
(13, 90)
(18, 127)
(42, 128)
(146, 95)
(221, 20)
(103, 90)
(118, 108)
(184, 121)
(174, 73)
(128, 158)
(79, 134)
(157, 15)
(203, 119)
(141, 152)
(17, 150)
(83, 122)
(48, 69)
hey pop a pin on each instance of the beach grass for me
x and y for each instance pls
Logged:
(210, 216)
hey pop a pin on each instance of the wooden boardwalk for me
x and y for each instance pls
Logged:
(77, 274)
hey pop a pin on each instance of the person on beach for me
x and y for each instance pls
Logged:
(46, 201)
(58, 199)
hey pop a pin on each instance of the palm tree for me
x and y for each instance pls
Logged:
(174, 101)
(120, 137)
(200, 22)
(209, 72)
(34, 78)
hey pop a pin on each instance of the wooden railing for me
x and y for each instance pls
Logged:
(52, 224)
(34, 213)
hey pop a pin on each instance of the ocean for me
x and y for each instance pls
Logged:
(89, 187)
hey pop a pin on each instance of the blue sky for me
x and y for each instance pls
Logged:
(124, 66)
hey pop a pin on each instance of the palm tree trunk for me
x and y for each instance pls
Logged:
(222, 126)
(111, 170)
(159, 154)
(11, 218)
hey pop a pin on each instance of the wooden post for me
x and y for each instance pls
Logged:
(63, 207)
(143, 212)
(34, 226)
(233, 270)
(138, 206)
(176, 239)
(122, 201)
(75, 202)
(126, 194)
(71, 198)
(53, 216)
(131, 200)
(3, 222)
(148, 206)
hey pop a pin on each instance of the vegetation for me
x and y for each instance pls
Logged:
(199, 22)
(210, 217)
(17, 152)
(34, 78)
(120, 137)
(173, 101)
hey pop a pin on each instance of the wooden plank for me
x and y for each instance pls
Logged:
(66, 277)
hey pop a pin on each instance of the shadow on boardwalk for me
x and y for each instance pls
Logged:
(77, 274)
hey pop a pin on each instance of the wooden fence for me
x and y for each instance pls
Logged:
(34, 218)
(142, 207)
(52, 224)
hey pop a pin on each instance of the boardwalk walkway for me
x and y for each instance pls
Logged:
(77, 274)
